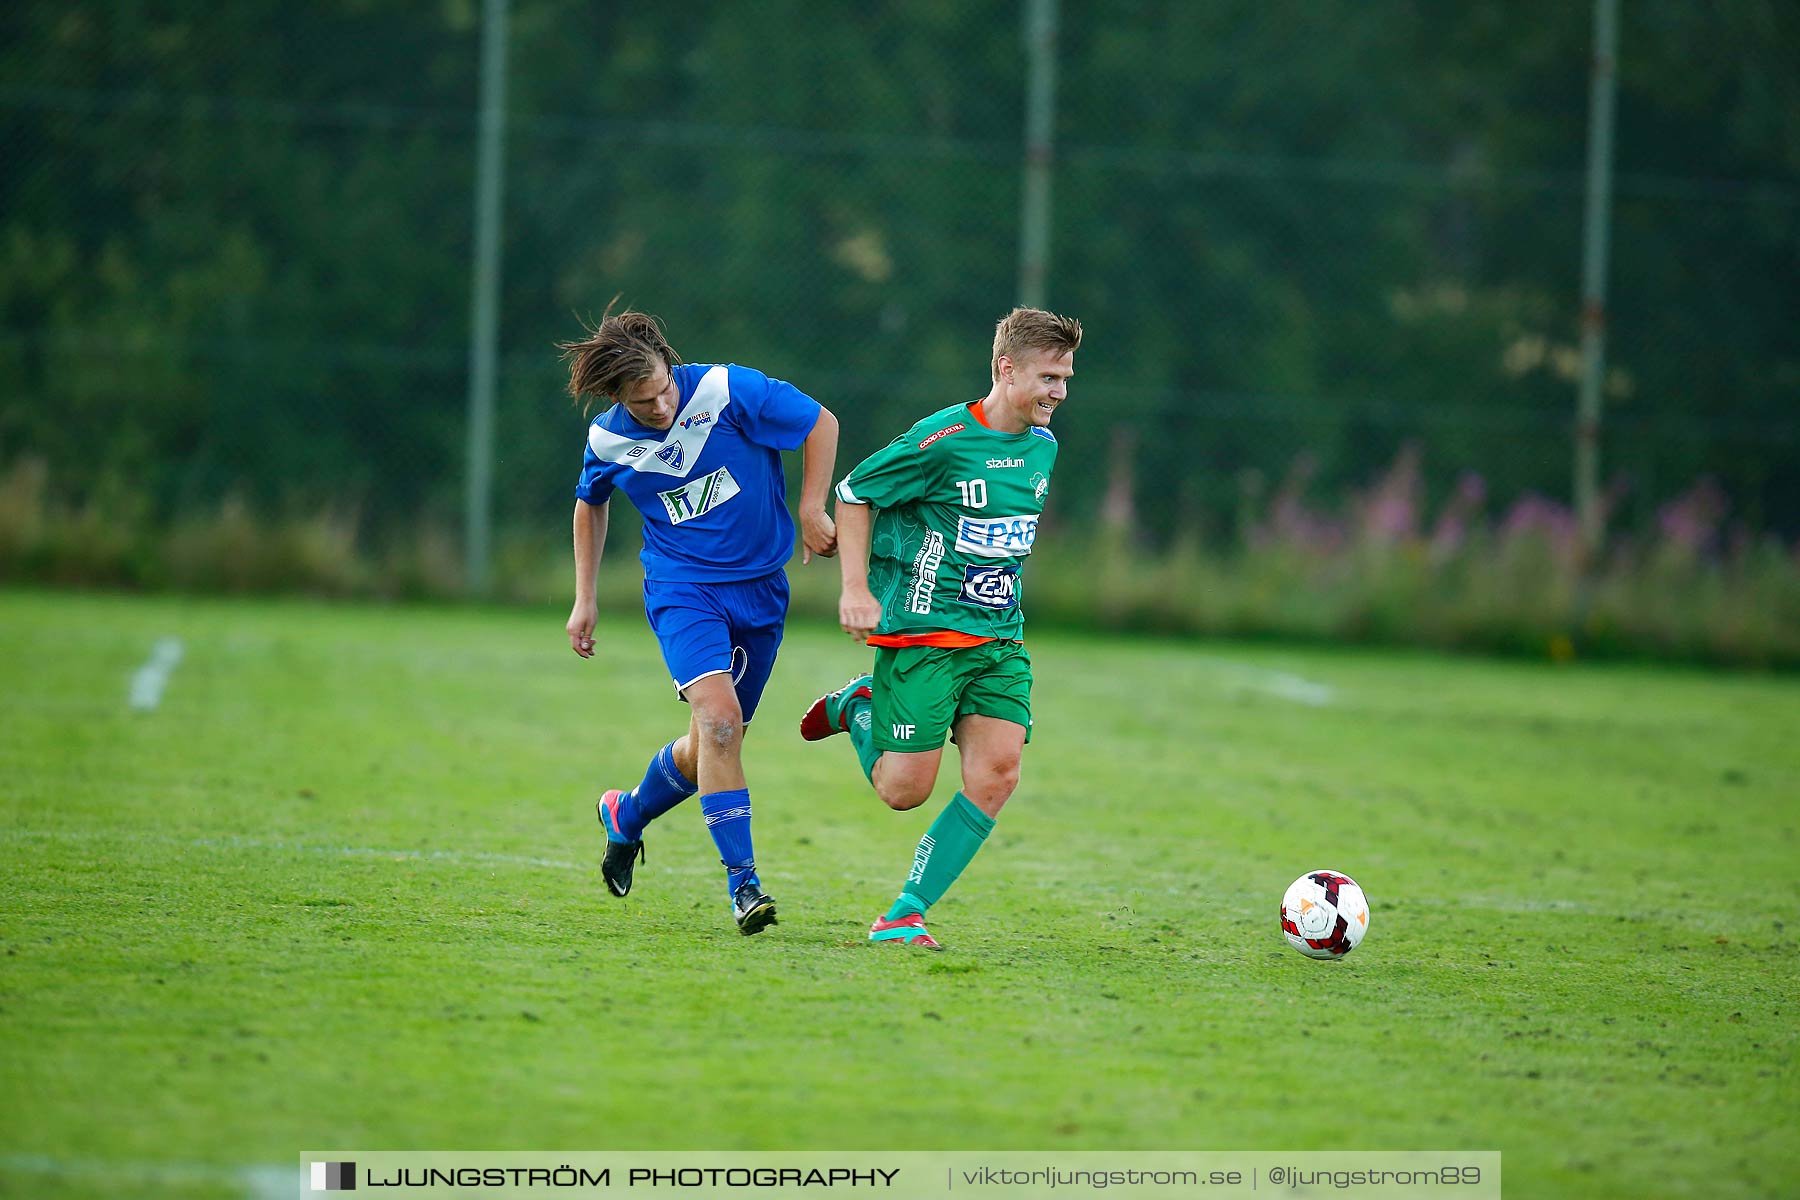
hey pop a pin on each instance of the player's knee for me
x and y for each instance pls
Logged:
(723, 732)
(903, 795)
(720, 728)
(996, 779)
(904, 799)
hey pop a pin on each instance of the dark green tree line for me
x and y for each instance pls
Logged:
(234, 241)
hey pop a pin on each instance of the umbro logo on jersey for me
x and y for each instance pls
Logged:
(946, 431)
(1005, 462)
(676, 452)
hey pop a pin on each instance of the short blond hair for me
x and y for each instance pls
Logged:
(1025, 329)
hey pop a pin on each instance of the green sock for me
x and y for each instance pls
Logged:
(859, 724)
(943, 852)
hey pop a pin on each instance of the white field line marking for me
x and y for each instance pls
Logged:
(1282, 684)
(267, 1182)
(1441, 903)
(272, 1183)
(151, 678)
(1293, 687)
(470, 857)
(487, 858)
(1534, 905)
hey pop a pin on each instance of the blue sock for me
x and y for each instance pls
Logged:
(662, 788)
(728, 820)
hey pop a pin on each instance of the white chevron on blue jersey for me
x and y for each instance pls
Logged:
(677, 453)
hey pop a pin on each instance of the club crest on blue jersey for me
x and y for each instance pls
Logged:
(990, 587)
(671, 454)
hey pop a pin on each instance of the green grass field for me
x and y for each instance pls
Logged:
(340, 889)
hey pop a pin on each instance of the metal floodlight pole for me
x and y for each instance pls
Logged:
(1596, 238)
(1040, 121)
(484, 302)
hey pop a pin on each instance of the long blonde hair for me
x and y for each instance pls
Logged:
(618, 352)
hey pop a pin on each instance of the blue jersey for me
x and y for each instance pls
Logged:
(710, 486)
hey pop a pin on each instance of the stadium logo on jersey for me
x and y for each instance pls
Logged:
(946, 431)
(671, 454)
(990, 587)
(1040, 484)
(925, 569)
(992, 536)
(701, 496)
(695, 421)
(1005, 462)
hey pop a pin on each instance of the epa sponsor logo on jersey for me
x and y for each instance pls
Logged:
(702, 495)
(990, 587)
(991, 536)
(946, 431)
(1005, 462)
(697, 420)
(672, 455)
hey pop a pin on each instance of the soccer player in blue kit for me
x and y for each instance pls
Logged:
(697, 450)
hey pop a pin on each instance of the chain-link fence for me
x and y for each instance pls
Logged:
(235, 241)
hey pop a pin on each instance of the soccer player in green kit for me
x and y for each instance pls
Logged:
(932, 530)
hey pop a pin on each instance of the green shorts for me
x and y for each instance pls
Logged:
(920, 691)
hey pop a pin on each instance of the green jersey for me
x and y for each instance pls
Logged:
(957, 508)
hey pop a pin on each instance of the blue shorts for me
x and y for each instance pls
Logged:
(720, 628)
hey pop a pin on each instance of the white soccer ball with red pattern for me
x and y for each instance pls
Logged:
(1324, 914)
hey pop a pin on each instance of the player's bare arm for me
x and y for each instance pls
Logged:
(859, 613)
(818, 455)
(590, 541)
